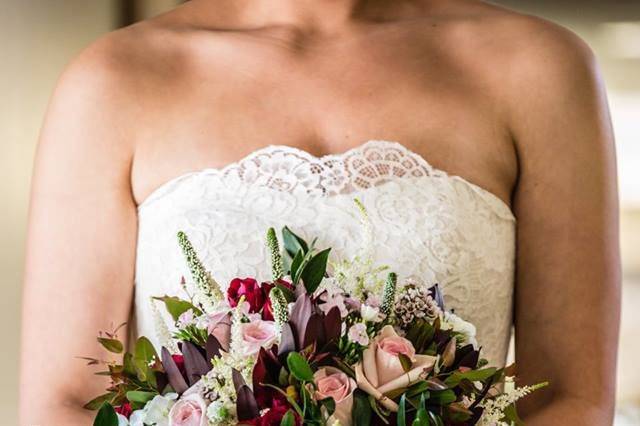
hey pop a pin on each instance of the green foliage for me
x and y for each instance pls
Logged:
(361, 414)
(293, 243)
(289, 419)
(472, 375)
(112, 345)
(106, 416)
(176, 306)
(314, 271)
(299, 367)
(96, 403)
(140, 396)
(402, 412)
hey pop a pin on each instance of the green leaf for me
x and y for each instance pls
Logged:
(299, 367)
(293, 243)
(129, 368)
(405, 361)
(329, 404)
(106, 416)
(361, 414)
(112, 345)
(289, 419)
(472, 375)
(402, 411)
(511, 415)
(443, 397)
(140, 396)
(97, 402)
(288, 294)
(295, 266)
(422, 415)
(145, 351)
(435, 419)
(314, 271)
(176, 306)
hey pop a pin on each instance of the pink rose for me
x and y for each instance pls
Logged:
(250, 289)
(333, 383)
(258, 334)
(219, 326)
(189, 410)
(380, 370)
(387, 357)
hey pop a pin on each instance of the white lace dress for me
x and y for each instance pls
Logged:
(427, 225)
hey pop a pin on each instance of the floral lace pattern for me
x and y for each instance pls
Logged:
(428, 225)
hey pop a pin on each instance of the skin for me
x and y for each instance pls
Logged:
(509, 102)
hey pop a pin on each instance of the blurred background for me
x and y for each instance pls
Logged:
(38, 37)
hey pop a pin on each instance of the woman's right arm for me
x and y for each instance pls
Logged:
(81, 242)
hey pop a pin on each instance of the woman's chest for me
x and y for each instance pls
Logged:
(324, 101)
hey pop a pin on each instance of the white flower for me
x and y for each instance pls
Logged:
(332, 300)
(370, 313)
(374, 300)
(217, 412)
(358, 334)
(122, 420)
(458, 325)
(137, 418)
(156, 412)
(186, 319)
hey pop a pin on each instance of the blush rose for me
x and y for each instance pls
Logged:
(381, 371)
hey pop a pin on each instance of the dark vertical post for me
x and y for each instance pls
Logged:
(127, 12)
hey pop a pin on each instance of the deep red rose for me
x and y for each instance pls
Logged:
(179, 360)
(267, 311)
(124, 409)
(248, 288)
(274, 415)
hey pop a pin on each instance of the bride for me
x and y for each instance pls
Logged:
(477, 138)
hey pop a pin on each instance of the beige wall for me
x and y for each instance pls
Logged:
(37, 37)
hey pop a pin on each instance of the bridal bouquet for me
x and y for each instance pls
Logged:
(353, 348)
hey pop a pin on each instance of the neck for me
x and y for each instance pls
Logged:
(324, 16)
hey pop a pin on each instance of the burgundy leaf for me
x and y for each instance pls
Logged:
(213, 347)
(238, 380)
(161, 380)
(333, 324)
(467, 357)
(176, 380)
(300, 314)
(314, 333)
(265, 371)
(194, 363)
(246, 404)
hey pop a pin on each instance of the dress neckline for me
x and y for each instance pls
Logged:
(500, 206)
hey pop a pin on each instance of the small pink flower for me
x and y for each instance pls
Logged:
(189, 410)
(258, 334)
(333, 383)
(358, 334)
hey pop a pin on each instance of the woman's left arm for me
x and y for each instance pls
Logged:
(568, 264)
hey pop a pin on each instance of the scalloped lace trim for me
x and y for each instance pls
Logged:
(289, 169)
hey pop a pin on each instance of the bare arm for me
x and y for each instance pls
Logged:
(568, 280)
(81, 244)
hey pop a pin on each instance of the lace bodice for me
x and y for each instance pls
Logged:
(427, 225)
